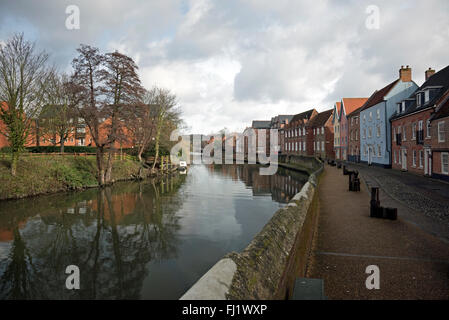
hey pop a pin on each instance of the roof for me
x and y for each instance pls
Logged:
(303, 116)
(352, 104)
(439, 79)
(321, 118)
(261, 124)
(378, 95)
(442, 109)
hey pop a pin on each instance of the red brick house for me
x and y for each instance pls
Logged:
(298, 137)
(278, 123)
(412, 136)
(439, 130)
(322, 132)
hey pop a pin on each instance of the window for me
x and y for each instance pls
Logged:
(304, 146)
(379, 152)
(303, 131)
(378, 131)
(395, 156)
(356, 135)
(426, 96)
(418, 100)
(370, 132)
(421, 157)
(322, 145)
(414, 158)
(445, 162)
(364, 133)
(370, 115)
(356, 120)
(394, 134)
(404, 137)
(441, 131)
(428, 128)
(403, 106)
(378, 113)
(322, 130)
(414, 131)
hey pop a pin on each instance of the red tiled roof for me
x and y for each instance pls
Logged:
(352, 104)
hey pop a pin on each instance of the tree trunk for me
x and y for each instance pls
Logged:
(139, 154)
(100, 166)
(108, 172)
(157, 147)
(62, 145)
(14, 160)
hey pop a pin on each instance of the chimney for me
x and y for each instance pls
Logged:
(429, 73)
(405, 74)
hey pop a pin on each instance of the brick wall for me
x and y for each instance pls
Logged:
(409, 144)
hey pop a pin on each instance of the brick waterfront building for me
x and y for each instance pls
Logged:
(415, 144)
(298, 135)
(322, 132)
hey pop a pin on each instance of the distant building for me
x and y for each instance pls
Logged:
(322, 132)
(279, 122)
(297, 135)
(375, 139)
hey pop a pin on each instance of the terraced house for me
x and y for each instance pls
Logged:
(375, 128)
(323, 135)
(411, 124)
(439, 130)
(336, 124)
(297, 134)
(347, 106)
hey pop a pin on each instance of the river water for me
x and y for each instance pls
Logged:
(136, 240)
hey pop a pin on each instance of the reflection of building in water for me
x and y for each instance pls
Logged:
(282, 186)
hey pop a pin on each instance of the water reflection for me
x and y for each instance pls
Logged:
(135, 240)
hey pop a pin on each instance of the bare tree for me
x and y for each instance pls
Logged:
(57, 118)
(86, 85)
(166, 113)
(122, 90)
(21, 72)
(143, 124)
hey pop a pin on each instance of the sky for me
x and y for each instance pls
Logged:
(230, 62)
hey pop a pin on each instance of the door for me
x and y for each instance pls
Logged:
(404, 159)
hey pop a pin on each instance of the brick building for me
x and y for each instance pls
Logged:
(412, 138)
(439, 130)
(298, 137)
(278, 123)
(322, 132)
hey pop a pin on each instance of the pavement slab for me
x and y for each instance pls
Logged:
(413, 262)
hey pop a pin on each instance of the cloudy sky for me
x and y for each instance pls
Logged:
(230, 61)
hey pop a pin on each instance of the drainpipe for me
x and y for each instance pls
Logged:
(387, 141)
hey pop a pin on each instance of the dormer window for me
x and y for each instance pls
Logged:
(426, 96)
(418, 100)
(403, 106)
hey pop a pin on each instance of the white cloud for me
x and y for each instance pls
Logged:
(230, 62)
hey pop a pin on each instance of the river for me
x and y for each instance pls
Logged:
(136, 240)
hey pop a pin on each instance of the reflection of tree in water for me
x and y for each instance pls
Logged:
(111, 237)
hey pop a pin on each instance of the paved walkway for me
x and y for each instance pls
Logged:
(426, 199)
(413, 263)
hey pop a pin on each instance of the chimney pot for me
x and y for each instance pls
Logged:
(405, 74)
(429, 73)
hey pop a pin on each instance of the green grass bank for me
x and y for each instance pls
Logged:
(54, 173)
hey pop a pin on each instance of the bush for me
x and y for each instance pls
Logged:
(67, 149)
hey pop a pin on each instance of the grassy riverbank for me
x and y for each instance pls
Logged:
(49, 174)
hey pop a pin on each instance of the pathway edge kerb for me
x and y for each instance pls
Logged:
(266, 267)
